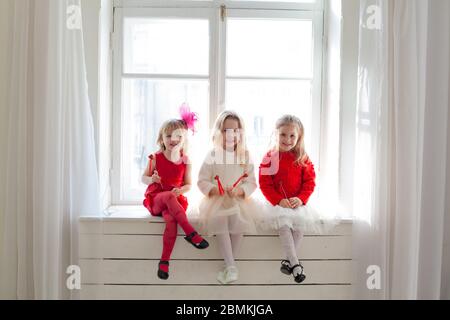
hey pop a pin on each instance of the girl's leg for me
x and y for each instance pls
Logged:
(169, 237)
(226, 249)
(236, 240)
(298, 237)
(228, 245)
(168, 201)
(288, 245)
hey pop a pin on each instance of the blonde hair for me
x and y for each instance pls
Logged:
(299, 149)
(169, 127)
(217, 136)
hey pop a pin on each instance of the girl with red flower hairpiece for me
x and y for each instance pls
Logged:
(168, 176)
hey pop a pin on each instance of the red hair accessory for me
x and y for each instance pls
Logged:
(190, 118)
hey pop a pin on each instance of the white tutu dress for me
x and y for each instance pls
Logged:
(222, 214)
(304, 218)
(287, 181)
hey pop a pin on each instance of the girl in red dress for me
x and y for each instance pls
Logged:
(168, 176)
(287, 181)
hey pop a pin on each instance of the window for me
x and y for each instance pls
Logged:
(260, 58)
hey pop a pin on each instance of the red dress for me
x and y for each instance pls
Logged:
(172, 176)
(289, 181)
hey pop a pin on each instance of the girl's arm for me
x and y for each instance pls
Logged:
(266, 183)
(308, 182)
(205, 178)
(187, 180)
(147, 176)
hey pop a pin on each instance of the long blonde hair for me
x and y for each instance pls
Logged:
(169, 127)
(217, 136)
(299, 149)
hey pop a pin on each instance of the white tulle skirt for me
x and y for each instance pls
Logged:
(222, 215)
(304, 219)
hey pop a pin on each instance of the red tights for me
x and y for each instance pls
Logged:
(167, 205)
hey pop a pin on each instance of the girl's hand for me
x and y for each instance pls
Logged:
(156, 178)
(295, 203)
(236, 192)
(214, 192)
(177, 192)
(285, 204)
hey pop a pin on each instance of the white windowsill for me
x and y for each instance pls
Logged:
(139, 213)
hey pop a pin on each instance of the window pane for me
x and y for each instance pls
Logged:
(271, 48)
(146, 105)
(261, 103)
(166, 46)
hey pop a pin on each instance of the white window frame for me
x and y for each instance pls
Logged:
(210, 10)
(231, 4)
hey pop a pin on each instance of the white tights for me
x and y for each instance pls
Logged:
(290, 242)
(229, 245)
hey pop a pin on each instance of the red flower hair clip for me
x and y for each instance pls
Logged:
(190, 118)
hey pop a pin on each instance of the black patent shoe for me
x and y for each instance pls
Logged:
(201, 245)
(286, 267)
(299, 278)
(162, 274)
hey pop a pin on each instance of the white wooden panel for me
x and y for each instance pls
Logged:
(253, 247)
(91, 227)
(205, 272)
(137, 220)
(145, 227)
(289, 292)
(136, 235)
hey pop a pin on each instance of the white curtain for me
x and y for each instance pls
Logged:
(49, 165)
(402, 170)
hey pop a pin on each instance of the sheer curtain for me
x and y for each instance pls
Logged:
(401, 227)
(49, 165)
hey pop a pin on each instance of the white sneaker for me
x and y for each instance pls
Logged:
(221, 277)
(229, 275)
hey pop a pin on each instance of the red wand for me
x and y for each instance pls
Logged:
(284, 193)
(219, 184)
(244, 176)
(152, 157)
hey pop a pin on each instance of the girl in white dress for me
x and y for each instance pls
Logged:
(227, 180)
